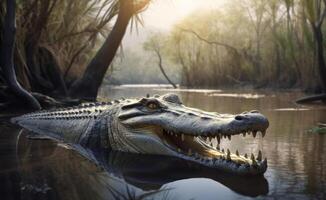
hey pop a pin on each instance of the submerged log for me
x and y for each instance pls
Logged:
(313, 98)
(9, 101)
(49, 102)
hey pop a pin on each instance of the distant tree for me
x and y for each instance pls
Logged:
(316, 13)
(155, 44)
(256, 11)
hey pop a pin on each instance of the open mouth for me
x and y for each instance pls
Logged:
(206, 150)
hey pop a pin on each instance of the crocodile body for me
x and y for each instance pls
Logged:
(158, 125)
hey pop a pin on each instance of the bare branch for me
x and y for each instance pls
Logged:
(210, 42)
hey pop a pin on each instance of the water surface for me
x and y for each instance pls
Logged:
(44, 169)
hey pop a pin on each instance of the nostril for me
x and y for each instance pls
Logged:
(239, 117)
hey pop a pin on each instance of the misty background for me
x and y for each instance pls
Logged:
(134, 65)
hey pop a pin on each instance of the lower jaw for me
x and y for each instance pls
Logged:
(228, 166)
(213, 158)
(221, 161)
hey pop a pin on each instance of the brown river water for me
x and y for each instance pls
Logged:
(44, 169)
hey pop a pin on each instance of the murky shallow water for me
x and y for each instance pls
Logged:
(42, 169)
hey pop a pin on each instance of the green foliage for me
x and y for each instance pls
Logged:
(257, 42)
(56, 39)
(70, 30)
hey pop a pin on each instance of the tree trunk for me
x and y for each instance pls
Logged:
(320, 55)
(162, 70)
(258, 57)
(87, 87)
(7, 57)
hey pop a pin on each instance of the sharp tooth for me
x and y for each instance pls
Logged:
(179, 150)
(246, 155)
(217, 146)
(228, 156)
(254, 133)
(253, 159)
(237, 152)
(194, 138)
(265, 162)
(259, 157)
(254, 162)
(207, 140)
(229, 136)
(263, 133)
(182, 137)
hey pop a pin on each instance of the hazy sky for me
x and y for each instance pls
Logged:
(163, 14)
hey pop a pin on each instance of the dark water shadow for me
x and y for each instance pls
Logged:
(151, 172)
(45, 164)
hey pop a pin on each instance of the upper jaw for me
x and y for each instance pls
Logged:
(220, 125)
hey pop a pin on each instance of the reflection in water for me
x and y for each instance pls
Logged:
(292, 109)
(296, 159)
(206, 91)
(120, 174)
(246, 96)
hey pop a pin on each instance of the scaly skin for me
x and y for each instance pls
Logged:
(157, 125)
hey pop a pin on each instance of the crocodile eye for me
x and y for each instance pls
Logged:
(152, 105)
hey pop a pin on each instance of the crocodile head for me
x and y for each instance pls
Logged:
(163, 125)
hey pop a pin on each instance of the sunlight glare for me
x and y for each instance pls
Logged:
(163, 14)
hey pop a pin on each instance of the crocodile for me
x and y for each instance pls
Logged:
(157, 125)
